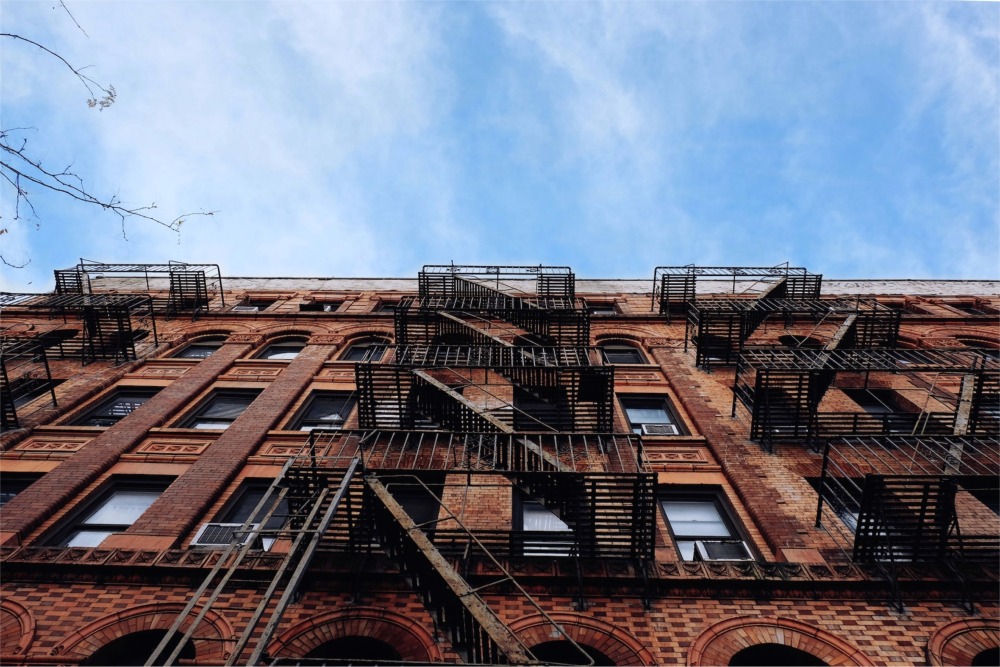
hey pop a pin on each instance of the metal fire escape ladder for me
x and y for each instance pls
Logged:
(477, 633)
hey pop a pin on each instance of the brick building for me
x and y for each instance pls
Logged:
(500, 465)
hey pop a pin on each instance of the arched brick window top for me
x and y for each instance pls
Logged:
(604, 639)
(17, 628)
(405, 636)
(212, 644)
(965, 642)
(719, 643)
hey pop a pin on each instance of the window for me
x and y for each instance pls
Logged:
(283, 351)
(320, 306)
(28, 389)
(540, 409)
(622, 354)
(122, 403)
(702, 526)
(113, 511)
(200, 349)
(252, 305)
(370, 351)
(221, 409)
(386, 307)
(325, 409)
(13, 484)
(650, 415)
(886, 405)
(600, 309)
(229, 522)
(544, 533)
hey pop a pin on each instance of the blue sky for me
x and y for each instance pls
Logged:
(857, 139)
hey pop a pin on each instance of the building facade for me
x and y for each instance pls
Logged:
(500, 464)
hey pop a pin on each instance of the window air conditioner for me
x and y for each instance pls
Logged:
(660, 429)
(719, 550)
(222, 534)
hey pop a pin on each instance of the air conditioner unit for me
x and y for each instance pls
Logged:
(660, 429)
(722, 550)
(223, 534)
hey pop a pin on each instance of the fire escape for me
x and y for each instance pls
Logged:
(24, 374)
(491, 392)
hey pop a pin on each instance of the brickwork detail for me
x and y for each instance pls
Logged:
(609, 639)
(410, 639)
(212, 643)
(42, 444)
(719, 643)
(959, 642)
(17, 629)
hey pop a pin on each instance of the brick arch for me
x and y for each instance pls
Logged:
(271, 334)
(957, 643)
(160, 616)
(17, 628)
(612, 641)
(361, 331)
(408, 637)
(719, 643)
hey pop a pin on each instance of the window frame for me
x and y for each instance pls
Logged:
(542, 543)
(621, 348)
(289, 343)
(716, 496)
(77, 521)
(239, 503)
(196, 414)
(663, 402)
(250, 305)
(18, 481)
(102, 409)
(299, 422)
(214, 343)
(366, 357)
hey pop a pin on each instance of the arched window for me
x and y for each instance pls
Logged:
(135, 649)
(367, 350)
(774, 654)
(283, 350)
(352, 650)
(990, 656)
(992, 349)
(201, 348)
(622, 353)
(562, 652)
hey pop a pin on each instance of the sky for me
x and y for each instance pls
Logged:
(360, 139)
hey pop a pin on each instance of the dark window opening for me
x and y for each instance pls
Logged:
(12, 484)
(622, 354)
(386, 307)
(703, 527)
(28, 389)
(985, 490)
(137, 647)
(541, 409)
(650, 415)
(562, 652)
(420, 500)
(601, 309)
(991, 349)
(987, 658)
(325, 409)
(221, 409)
(320, 306)
(122, 403)
(777, 655)
(353, 650)
(800, 342)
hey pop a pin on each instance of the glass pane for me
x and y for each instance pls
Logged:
(210, 424)
(537, 517)
(695, 518)
(622, 355)
(329, 408)
(87, 538)
(197, 351)
(226, 407)
(686, 549)
(647, 414)
(123, 507)
(281, 352)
